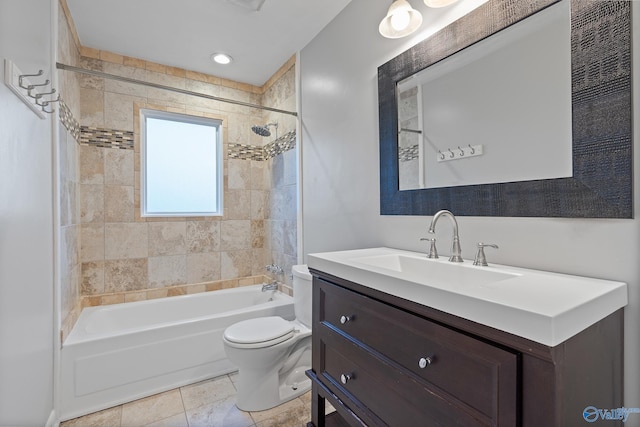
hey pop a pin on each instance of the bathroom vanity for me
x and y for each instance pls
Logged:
(402, 340)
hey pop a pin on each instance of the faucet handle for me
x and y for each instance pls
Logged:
(481, 260)
(433, 252)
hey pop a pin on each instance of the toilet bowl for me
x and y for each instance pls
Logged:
(271, 353)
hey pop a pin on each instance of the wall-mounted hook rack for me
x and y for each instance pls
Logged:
(459, 152)
(28, 89)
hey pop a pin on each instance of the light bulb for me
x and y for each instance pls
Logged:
(400, 20)
(221, 58)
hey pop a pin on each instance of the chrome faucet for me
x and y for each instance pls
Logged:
(456, 256)
(270, 286)
(274, 268)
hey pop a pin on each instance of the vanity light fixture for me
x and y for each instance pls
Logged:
(221, 58)
(401, 20)
(439, 3)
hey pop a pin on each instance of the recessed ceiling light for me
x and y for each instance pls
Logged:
(221, 58)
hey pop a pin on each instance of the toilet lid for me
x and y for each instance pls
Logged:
(263, 330)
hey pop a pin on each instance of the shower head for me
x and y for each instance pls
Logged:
(263, 130)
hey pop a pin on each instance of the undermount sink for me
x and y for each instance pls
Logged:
(433, 272)
(542, 306)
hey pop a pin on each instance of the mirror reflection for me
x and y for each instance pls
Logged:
(497, 111)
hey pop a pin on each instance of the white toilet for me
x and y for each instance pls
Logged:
(271, 353)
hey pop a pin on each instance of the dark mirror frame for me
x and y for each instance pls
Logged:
(601, 186)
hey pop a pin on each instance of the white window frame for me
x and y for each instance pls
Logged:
(182, 118)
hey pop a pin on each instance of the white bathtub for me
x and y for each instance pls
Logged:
(118, 353)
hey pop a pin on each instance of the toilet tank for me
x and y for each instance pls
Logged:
(302, 291)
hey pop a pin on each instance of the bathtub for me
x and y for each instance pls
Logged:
(118, 353)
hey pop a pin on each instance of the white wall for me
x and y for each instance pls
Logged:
(340, 179)
(26, 226)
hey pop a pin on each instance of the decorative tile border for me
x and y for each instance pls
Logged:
(170, 291)
(111, 138)
(251, 152)
(68, 121)
(285, 143)
(107, 138)
(406, 154)
(245, 152)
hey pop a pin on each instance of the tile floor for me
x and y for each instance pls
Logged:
(208, 403)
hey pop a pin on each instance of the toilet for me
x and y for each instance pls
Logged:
(271, 353)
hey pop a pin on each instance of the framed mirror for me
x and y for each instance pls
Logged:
(427, 163)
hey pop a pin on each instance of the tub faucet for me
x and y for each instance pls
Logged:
(274, 268)
(270, 286)
(456, 256)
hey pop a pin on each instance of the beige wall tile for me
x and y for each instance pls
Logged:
(91, 164)
(176, 72)
(195, 289)
(203, 236)
(165, 95)
(118, 111)
(157, 68)
(260, 258)
(88, 81)
(157, 293)
(237, 204)
(259, 204)
(118, 203)
(167, 238)
(239, 172)
(167, 271)
(126, 240)
(111, 57)
(134, 62)
(92, 282)
(92, 242)
(235, 235)
(260, 175)
(118, 167)
(91, 203)
(112, 299)
(203, 267)
(122, 275)
(235, 264)
(177, 290)
(92, 107)
(125, 88)
(135, 296)
(290, 237)
(257, 234)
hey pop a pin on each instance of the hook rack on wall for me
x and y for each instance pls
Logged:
(459, 153)
(31, 93)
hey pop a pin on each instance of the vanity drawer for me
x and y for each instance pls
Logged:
(479, 374)
(397, 398)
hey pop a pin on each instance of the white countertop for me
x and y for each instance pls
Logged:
(541, 306)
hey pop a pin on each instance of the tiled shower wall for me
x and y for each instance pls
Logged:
(69, 267)
(114, 254)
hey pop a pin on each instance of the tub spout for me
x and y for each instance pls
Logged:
(270, 286)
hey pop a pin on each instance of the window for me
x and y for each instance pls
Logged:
(181, 161)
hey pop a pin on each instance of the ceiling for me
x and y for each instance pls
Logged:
(184, 33)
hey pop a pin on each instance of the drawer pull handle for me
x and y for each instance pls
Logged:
(424, 362)
(344, 378)
(345, 319)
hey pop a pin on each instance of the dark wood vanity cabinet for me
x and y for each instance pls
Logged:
(384, 361)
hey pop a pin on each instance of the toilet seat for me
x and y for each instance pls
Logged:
(259, 332)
